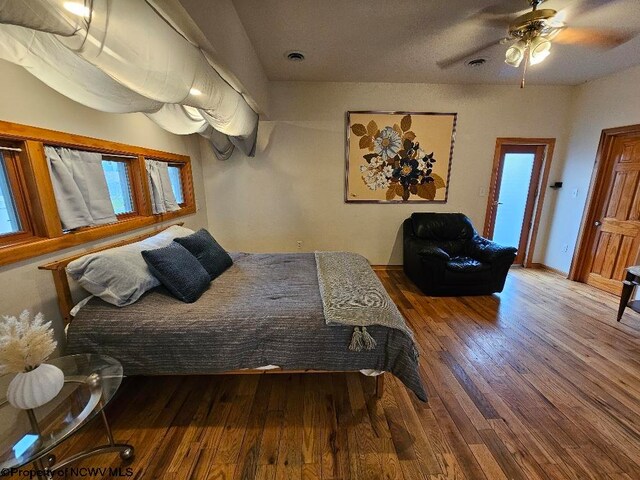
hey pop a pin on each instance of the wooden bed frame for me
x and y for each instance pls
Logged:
(65, 304)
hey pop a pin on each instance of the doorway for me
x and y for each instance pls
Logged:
(520, 169)
(609, 239)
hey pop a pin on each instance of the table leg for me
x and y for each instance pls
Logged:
(627, 290)
(41, 472)
(107, 427)
(126, 451)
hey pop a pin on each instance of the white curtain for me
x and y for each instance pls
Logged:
(80, 188)
(44, 15)
(162, 197)
(220, 143)
(42, 55)
(180, 119)
(124, 57)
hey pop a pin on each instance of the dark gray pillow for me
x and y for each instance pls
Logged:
(209, 253)
(178, 270)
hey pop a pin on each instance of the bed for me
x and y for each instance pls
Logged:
(264, 311)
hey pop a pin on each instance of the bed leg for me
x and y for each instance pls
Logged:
(379, 386)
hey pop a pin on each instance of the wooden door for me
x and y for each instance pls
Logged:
(530, 184)
(613, 228)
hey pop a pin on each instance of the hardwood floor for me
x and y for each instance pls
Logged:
(538, 382)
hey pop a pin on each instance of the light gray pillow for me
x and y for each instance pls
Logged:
(120, 275)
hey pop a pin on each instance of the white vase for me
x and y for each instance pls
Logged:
(35, 388)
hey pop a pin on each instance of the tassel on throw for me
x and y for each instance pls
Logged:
(361, 340)
(356, 340)
(368, 341)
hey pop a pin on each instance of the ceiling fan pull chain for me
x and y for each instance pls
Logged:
(526, 64)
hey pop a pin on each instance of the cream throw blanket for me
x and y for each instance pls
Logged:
(353, 295)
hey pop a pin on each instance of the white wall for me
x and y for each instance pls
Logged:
(25, 100)
(612, 101)
(294, 188)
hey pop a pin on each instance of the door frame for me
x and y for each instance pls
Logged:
(585, 245)
(539, 193)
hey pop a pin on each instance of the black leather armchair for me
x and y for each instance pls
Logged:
(444, 256)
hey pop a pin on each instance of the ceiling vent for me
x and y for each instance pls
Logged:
(295, 56)
(476, 62)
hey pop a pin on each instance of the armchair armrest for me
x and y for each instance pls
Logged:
(490, 252)
(425, 248)
(428, 250)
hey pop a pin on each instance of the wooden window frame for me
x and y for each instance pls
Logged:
(18, 190)
(46, 234)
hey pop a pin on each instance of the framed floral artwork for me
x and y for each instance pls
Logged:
(399, 157)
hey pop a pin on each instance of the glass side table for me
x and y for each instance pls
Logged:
(631, 281)
(27, 436)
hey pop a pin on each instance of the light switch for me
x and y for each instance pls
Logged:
(574, 193)
(482, 191)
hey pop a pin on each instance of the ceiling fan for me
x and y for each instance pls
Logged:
(531, 34)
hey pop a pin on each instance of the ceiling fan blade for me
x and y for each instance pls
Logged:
(500, 15)
(593, 37)
(506, 7)
(451, 61)
(495, 21)
(586, 6)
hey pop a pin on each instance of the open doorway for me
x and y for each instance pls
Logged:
(516, 193)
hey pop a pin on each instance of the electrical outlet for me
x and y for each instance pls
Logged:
(482, 191)
(565, 248)
(299, 244)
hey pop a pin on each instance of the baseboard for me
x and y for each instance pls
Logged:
(386, 267)
(542, 266)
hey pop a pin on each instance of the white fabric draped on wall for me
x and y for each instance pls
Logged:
(162, 197)
(80, 188)
(125, 57)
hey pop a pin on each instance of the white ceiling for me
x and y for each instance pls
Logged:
(402, 40)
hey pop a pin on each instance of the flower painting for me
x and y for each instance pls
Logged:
(399, 157)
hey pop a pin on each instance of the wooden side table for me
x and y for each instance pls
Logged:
(628, 285)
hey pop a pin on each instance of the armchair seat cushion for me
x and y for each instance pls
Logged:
(467, 264)
(466, 277)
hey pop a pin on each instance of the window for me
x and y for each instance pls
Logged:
(176, 183)
(37, 166)
(9, 220)
(14, 220)
(116, 173)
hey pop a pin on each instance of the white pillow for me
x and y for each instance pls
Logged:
(120, 275)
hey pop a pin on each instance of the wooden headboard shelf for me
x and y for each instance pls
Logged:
(61, 281)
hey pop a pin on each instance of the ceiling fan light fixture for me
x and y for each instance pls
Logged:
(515, 53)
(539, 50)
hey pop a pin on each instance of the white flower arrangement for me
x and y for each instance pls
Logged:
(24, 343)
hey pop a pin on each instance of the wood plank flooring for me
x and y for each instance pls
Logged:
(539, 382)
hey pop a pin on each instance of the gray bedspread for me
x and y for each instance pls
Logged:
(264, 310)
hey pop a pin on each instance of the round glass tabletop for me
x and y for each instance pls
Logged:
(90, 382)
